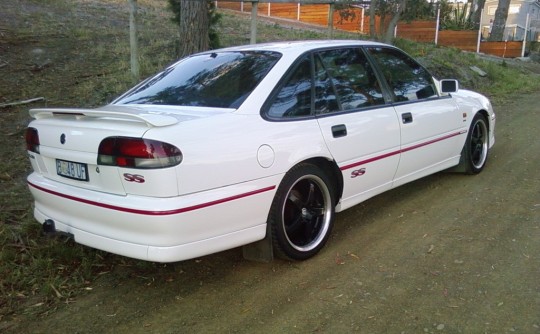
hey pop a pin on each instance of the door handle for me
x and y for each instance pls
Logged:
(339, 130)
(406, 118)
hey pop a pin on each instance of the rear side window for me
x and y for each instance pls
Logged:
(408, 80)
(326, 82)
(352, 78)
(223, 80)
(294, 97)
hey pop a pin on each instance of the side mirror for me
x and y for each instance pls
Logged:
(449, 86)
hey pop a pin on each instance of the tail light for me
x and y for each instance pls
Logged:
(32, 140)
(137, 153)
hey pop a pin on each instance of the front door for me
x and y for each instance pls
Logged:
(430, 124)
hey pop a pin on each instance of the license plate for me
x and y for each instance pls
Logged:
(72, 170)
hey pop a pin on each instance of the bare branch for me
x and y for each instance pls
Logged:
(11, 104)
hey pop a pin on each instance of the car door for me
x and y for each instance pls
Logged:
(430, 124)
(360, 129)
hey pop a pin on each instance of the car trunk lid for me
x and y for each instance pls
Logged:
(69, 140)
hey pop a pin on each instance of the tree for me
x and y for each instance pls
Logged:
(196, 20)
(476, 12)
(372, 7)
(385, 8)
(193, 27)
(419, 10)
(133, 45)
(499, 23)
(398, 7)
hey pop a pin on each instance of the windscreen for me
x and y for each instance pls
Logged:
(220, 79)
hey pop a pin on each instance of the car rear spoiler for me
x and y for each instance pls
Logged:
(154, 120)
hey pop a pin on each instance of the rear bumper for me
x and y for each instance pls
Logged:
(157, 229)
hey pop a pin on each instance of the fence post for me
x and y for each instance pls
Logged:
(362, 21)
(437, 25)
(331, 20)
(525, 36)
(480, 31)
(254, 5)
(298, 12)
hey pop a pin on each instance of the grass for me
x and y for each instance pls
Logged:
(87, 45)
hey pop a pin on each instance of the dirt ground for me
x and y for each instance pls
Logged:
(449, 253)
(446, 254)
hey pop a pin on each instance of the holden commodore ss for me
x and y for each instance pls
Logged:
(256, 146)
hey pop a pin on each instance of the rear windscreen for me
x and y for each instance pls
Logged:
(221, 79)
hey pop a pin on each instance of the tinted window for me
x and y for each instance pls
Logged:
(325, 95)
(352, 77)
(408, 80)
(294, 98)
(222, 80)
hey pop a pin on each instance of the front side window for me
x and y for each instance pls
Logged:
(407, 79)
(220, 79)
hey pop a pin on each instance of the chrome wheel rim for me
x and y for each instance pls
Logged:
(479, 144)
(307, 213)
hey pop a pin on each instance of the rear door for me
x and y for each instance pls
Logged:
(360, 129)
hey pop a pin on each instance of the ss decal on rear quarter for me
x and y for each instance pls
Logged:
(134, 178)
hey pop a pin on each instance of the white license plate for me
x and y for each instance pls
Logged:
(72, 170)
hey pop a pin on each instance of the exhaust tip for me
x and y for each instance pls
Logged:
(49, 229)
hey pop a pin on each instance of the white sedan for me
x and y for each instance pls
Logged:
(254, 145)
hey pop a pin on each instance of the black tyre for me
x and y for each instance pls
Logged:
(475, 152)
(302, 213)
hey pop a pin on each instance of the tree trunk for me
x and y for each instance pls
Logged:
(133, 45)
(382, 19)
(372, 32)
(389, 35)
(499, 23)
(476, 12)
(194, 23)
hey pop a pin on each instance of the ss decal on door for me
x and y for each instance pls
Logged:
(358, 172)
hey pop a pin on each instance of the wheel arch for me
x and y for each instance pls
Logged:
(332, 171)
(490, 125)
(484, 113)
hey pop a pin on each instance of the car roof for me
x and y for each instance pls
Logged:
(299, 46)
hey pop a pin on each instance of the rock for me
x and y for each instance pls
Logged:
(478, 71)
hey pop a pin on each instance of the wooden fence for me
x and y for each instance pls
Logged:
(420, 31)
(510, 49)
(358, 21)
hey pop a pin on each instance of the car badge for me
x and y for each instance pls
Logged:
(63, 138)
